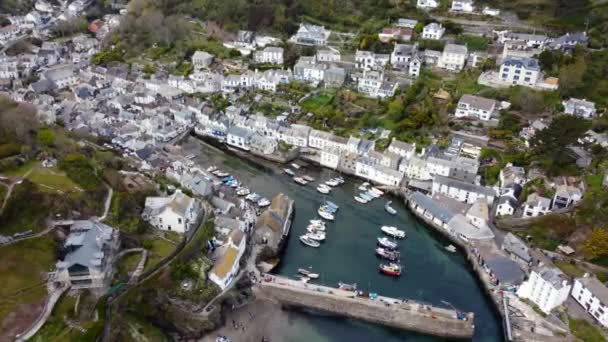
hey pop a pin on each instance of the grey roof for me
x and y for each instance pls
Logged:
(525, 36)
(571, 39)
(535, 200)
(403, 49)
(478, 102)
(59, 73)
(524, 62)
(85, 244)
(596, 287)
(506, 270)
(455, 48)
(431, 206)
(239, 131)
(553, 276)
(460, 225)
(454, 183)
(516, 246)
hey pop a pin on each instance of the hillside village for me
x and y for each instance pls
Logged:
(499, 156)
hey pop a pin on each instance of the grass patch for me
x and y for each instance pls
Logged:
(473, 43)
(26, 209)
(159, 249)
(569, 269)
(317, 103)
(585, 330)
(139, 329)
(51, 179)
(21, 170)
(127, 264)
(23, 266)
(55, 328)
(549, 231)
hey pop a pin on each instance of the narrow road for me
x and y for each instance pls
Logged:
(45, 314)
(10, 189)
(108, 202)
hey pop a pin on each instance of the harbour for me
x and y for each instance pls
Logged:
(432, 274)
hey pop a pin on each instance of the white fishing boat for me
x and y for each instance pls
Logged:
(347, 287)
(376, 191)
(295, 166)
(372, 194)
(386, 243)
(333, 206)
(364, 186)
(325, 214)
(329, 209)
(300, 180)
(390, 209)
(317, 223)
(307, 273)
(242, 191)
(324, 189)
(309, 242)
(450, 248)
(361, 200)
(318, 236)
(289, 172)
(263, 202)
(340, 180)
(393, 231)
(308, 178)
(221, 174)
(332, 182)
(253, 197)
(211, 168)
(366, 196)
(314, 229)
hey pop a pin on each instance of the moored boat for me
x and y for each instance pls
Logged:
(390, 209)
(340, 180)
(304, 279)
(318, 236)
(364, 186)
(360, 200)
(376, 191)
(300, 180)
(332, 205)
(263, 202)
(314, 229)
(450, 248)
(325, 214)
(308, 273)
(242, 191)
(324, 189)
(347, 287)
(211, 168)
(289, 172)
(386, 243)
(319, 223)
(387, 254)
(372, 194)
(393, 231)
(309, 242)
(295, 166)
(391, 269)
(221, 174)
(253, 197)
(332, 183)
(308, 178)
(366, 196)
(329, 209)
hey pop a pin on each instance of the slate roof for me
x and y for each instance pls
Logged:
(478, 102)
(85, 244)
(506, 270)
(431, 206)
(516, 246)
(524, 62)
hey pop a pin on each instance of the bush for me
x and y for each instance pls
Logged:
(45, 137)
(7, 150)
(81, 171)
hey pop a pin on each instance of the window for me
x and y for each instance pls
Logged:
(515, 78)
(527, 79)
(179, 220)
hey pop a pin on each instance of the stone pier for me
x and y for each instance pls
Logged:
(397, 313)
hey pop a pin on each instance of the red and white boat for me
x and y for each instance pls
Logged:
(391, 269)
(387, 254)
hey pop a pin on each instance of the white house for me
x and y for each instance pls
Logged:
(463, 6)
(89, 255)
(582, 108)
(177, 212)
(270, 55)
(62, 76)
(371, 61)
(547, 287)
(226, 267)
(531, 40)
(401, 148)
(312, 35)
(453, 57)
(566, 196)
(519, 71)
(372, 170)
(508, 200)
(239, 137)
(407, 58)
(433, 31)
(536, 205)
(427, 4)
(512, 174)
(592, 295)
(477, 107)
(374, 84)
(330, 157)
(461, 191)
(201, 59)
(328, 55)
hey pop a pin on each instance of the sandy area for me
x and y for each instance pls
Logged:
(255, 321)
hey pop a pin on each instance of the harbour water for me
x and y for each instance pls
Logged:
(431, 273)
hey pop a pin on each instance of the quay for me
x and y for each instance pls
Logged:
(396, 313)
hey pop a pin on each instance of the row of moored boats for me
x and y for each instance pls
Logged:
(241, 190)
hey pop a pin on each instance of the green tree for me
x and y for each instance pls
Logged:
(571, 76)
(596, 245)
(45, 137)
